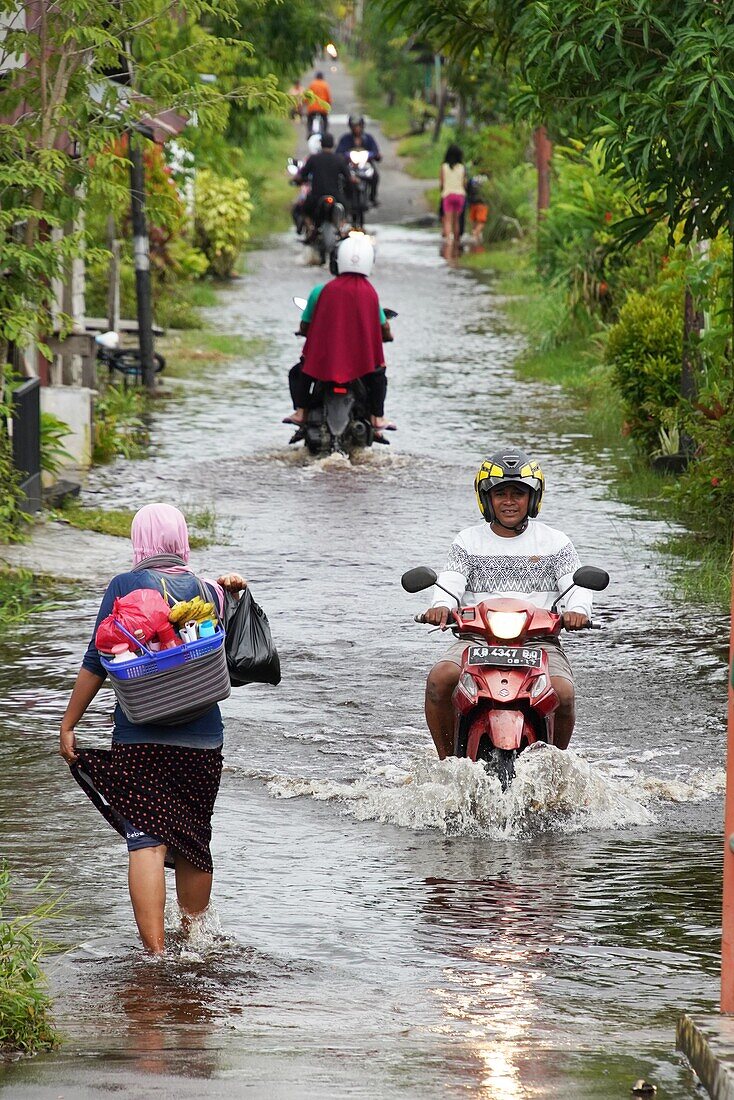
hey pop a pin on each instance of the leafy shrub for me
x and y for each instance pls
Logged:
(119, 425)
(53, 451)
(223, 212)
(704, 494)
(644, 349)
(510, 198)
(11, 494)
(493, 150)
(578, 248)
(25, 1023)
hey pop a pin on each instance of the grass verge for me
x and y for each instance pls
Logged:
(394, 119)
(701, 570)
(272, 193)
(25, 1006)
(423, 156)
(22, 592)
(117, 521)
(190, 353)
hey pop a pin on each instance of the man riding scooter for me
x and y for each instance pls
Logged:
(327, 174)
(345, 327)
(510, 554)
(358, 138)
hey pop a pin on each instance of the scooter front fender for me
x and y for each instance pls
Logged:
(504, 728)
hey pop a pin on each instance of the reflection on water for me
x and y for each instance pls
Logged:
(390, 926)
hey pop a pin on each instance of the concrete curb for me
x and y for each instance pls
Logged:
(708, 1044)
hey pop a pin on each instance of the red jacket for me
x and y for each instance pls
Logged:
(344, 339)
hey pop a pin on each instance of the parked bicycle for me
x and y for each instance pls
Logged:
(126, 361)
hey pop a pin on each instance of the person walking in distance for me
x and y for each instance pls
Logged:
(452, 179)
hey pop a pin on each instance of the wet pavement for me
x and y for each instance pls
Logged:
(386, 925)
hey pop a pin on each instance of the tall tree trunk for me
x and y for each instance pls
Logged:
(440, 113)
(461, 114)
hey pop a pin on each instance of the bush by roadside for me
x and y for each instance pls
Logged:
(26, 1025)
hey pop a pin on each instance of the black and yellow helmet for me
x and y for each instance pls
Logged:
(508, 465)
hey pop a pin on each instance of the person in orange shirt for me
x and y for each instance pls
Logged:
(320, 106)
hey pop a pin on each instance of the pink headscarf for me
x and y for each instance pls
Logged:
(159, 529)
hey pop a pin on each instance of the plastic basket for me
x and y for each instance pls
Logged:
(173, 686)
(151, 662)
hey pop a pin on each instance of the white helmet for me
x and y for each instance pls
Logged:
(355, 254)
(314, 144)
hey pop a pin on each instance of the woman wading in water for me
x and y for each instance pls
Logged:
(158, 783)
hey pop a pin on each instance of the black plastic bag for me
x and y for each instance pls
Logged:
(251, 656)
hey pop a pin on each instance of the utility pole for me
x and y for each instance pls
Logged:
(141, 250)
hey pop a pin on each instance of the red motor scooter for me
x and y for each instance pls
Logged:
(504, 700)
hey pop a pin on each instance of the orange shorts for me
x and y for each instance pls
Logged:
(478, 212)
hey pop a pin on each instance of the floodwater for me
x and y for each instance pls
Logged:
(386, 925)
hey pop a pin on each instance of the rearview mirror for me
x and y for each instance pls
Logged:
(588, 576)
(418, 579)
(300, 303)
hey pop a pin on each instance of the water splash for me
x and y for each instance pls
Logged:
(552, 791)
(194, 939)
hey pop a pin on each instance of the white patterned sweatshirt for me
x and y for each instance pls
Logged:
(535, 566)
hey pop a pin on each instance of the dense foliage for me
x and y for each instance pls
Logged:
(223, 211)
(25, 1023)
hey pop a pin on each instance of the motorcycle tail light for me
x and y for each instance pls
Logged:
(507, 624)
(468, 685)
(340, 389)
(539, 686)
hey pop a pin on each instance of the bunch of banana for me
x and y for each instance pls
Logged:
(185, 610)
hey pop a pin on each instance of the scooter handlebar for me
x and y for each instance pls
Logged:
(449, 625)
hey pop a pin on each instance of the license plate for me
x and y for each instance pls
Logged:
(504, 656)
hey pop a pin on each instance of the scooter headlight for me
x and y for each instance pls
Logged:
(507, 624)
(539, 686)
(468, 685)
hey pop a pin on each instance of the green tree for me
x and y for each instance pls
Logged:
(62, 115)
(652, 80)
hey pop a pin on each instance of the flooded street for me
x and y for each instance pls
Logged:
(387, 925)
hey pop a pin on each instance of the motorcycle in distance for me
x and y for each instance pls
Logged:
(504, 700)
(329, 220)
(337, 420)
(361, 173)
(293, 167)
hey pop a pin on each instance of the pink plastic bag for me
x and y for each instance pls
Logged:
(143, 612)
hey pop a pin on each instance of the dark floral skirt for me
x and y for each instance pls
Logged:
(165, 791)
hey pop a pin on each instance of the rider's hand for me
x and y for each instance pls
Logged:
(387, 336)
(575, 620)
(233, 582)
(67, 745)
(436, 616)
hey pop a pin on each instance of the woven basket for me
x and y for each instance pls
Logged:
(173, 686)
